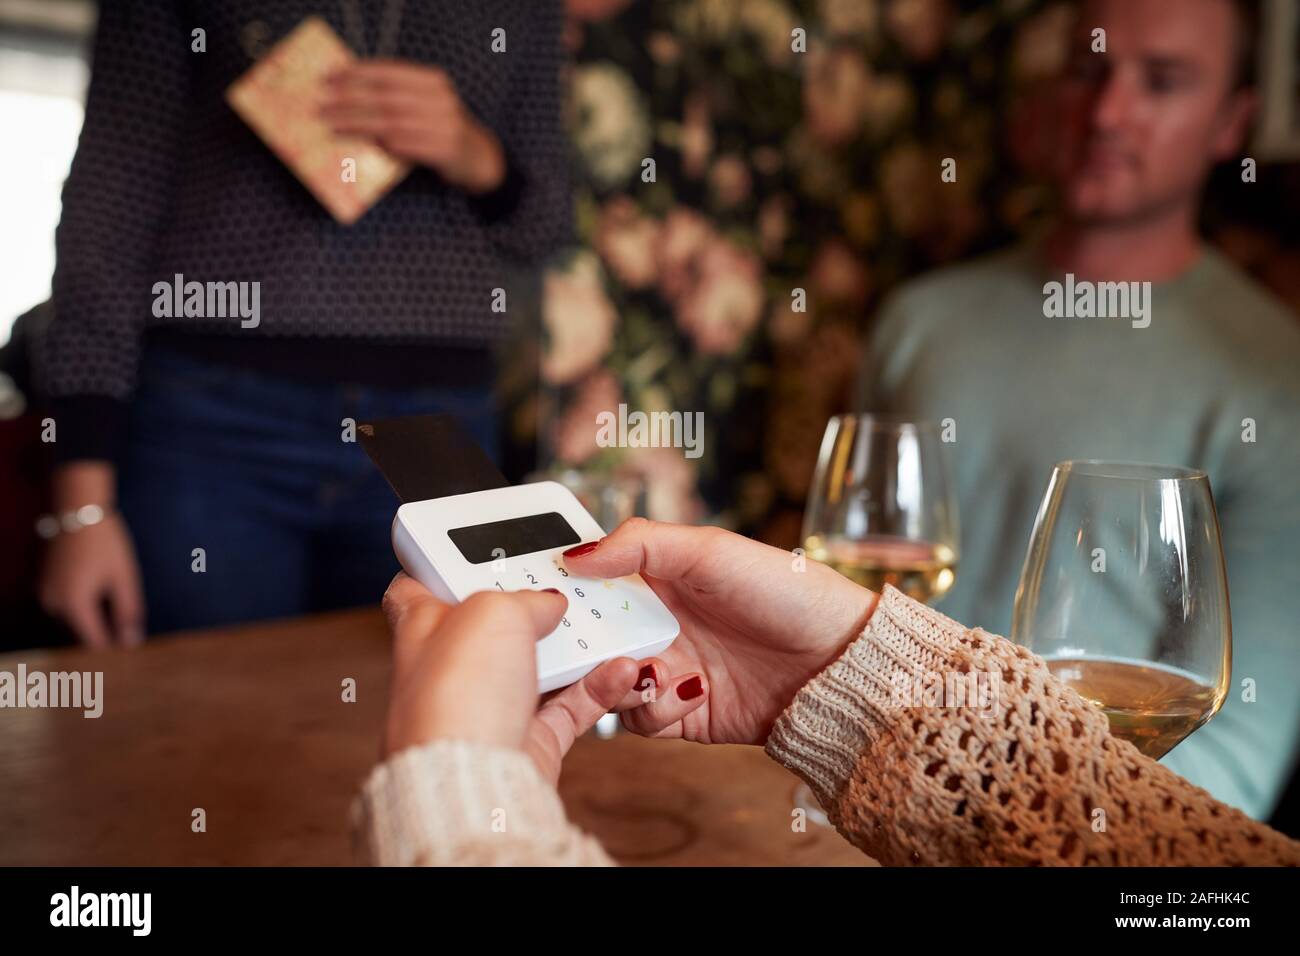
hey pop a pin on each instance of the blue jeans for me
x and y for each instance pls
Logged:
(253, 469)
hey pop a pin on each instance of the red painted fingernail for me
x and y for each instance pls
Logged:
(578, 550)
(647, 674)
(690, 689)
(551, 590)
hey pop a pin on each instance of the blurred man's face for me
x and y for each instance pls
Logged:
(1143, 123)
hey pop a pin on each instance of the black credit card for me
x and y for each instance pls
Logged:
(428, 456)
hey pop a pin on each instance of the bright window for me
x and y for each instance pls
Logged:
(42, 88)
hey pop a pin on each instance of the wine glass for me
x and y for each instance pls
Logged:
(1125, 595)
(881, 511)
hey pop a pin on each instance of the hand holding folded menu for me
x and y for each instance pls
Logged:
(280, 99)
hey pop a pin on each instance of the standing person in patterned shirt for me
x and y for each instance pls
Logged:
(214, 449)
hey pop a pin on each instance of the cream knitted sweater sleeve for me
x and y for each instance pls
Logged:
(1032, 776)
(1029, 776)
(450, 803)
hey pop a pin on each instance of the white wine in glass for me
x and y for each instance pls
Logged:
(881, 509)
(920, 569)
(1125, 594)
(1150, 705)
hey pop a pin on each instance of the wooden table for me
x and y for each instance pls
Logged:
(249, 724)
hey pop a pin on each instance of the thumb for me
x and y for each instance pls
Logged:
(543, 608)
(519, 615)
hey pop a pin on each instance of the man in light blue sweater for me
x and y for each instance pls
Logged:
(1201, 369)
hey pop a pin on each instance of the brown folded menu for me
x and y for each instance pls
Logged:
(280, 98)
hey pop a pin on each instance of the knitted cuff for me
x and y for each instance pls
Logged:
(845, 710)
(431, 805)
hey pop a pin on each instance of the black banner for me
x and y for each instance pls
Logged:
(856, 907)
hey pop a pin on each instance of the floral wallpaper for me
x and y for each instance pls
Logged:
(774, 171)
